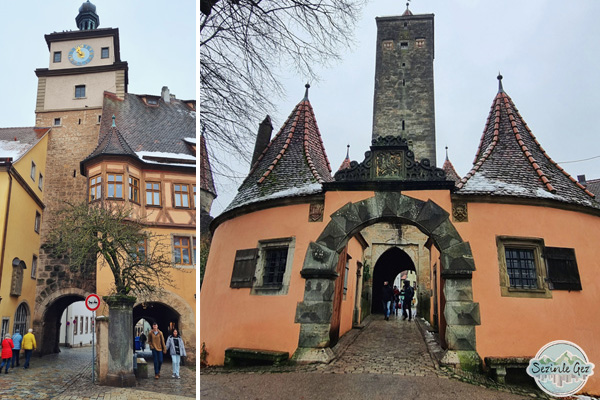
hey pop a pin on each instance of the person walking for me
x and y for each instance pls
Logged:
(17, 339)
(29, 346)
(176, 350)
(387, 296)
(7, 346)
(156, 341)
(409, 293)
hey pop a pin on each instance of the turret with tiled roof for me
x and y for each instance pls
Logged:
(407, 12)
(346, 163)
(511, 162)
(294, 163)
(449, 169)
(111, 143)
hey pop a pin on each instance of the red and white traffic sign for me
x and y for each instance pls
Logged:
(92, 302)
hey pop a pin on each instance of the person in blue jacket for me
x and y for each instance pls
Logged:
(17, 339)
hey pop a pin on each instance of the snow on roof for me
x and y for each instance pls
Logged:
(291, 192)
(151, 156)
(191, 140)
(14, 149)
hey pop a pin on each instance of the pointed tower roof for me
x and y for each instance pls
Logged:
(294, 163)
(112, 143)
(511, 162)
(407, 13)
(206, 178)
(346, 162)
(449, 170)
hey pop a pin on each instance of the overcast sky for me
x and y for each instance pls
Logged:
(158, 40)
(547, 51)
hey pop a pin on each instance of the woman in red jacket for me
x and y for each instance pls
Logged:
(7, 346)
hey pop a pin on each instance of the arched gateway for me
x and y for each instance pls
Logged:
(461, 313)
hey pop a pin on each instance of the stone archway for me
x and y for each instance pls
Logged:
(389, 264)
(461, 313)
(46, 321)
(185, 315)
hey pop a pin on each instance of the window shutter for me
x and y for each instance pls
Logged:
(243, 268)
(562, 268)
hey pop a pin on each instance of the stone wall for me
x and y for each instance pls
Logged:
(404, 96)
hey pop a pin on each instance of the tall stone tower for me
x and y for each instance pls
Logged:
(83, 64)
(404, 99)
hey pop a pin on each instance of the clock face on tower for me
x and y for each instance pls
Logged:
(81, 54)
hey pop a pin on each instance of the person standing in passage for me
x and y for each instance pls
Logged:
(396, 300)
(29, 346)
(143, 339)
(17, 339)
(7, 346)
(156, 341)
(176, 350)
(387, 296)
(409, 293)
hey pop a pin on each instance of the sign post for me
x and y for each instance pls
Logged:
(92, 302)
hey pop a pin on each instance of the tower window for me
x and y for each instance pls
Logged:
(404, 45)
(403, 82)
(404, 64)
(99, 118)
(104, 52)
(56, 121)
(405, 25)
(57, 56)
(79, 91)
(402, 124)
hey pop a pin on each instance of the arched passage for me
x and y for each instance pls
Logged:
(461, 313)
(46, 325)
(166, 317)
(389, 265)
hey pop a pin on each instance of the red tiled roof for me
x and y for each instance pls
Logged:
(346, 163)
(511, 162)
(450, 171)
(206, 179)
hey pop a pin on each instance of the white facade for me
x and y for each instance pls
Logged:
(76, 315)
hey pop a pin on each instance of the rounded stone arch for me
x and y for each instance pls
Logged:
(46, 320)
(461, 313)
(186, 314)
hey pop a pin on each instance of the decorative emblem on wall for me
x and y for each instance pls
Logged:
(460, 212)
(315, 212)
(390, 164)
(318, 254)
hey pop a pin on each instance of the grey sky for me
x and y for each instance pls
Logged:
(547, 51)
(158, 40)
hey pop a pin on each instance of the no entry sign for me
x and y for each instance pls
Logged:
(92, 302)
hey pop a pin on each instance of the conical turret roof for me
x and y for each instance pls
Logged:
(511, 162)
(448, 168)
(293, 164)
(346, 163)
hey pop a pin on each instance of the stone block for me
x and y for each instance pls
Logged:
(348, 218)
(431, 216)
(388, 203)
(445, 235)
(319, 262)
(314, 312)
(314, 335)
(458, 259)
(409, 208)
(333, 236)
(319, 289)
(462, 313)
(458, 290)
(460, 337)
(368, 209)
(311, 355)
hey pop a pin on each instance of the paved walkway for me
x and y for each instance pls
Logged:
(68, 376)
(386, 359)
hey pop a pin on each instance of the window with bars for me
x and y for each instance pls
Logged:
(563, 273)
(153, 193)
(21, 319)
(520, 265)
(275, 262)
(114, 186)
(96, 187)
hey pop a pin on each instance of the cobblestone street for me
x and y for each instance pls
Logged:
(384, 359)
(68, 376)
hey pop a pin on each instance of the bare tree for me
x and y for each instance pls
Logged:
(140, 261)
(243, 46)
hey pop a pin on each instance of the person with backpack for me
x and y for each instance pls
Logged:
(409, 293)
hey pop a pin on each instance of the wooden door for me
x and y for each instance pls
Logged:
(338, 294)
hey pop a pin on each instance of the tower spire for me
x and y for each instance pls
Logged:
(307, 86)
(87, 19)
(500, 88)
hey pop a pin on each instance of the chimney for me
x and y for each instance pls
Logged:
(581, 179)
(165, 94)
(263, 137)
